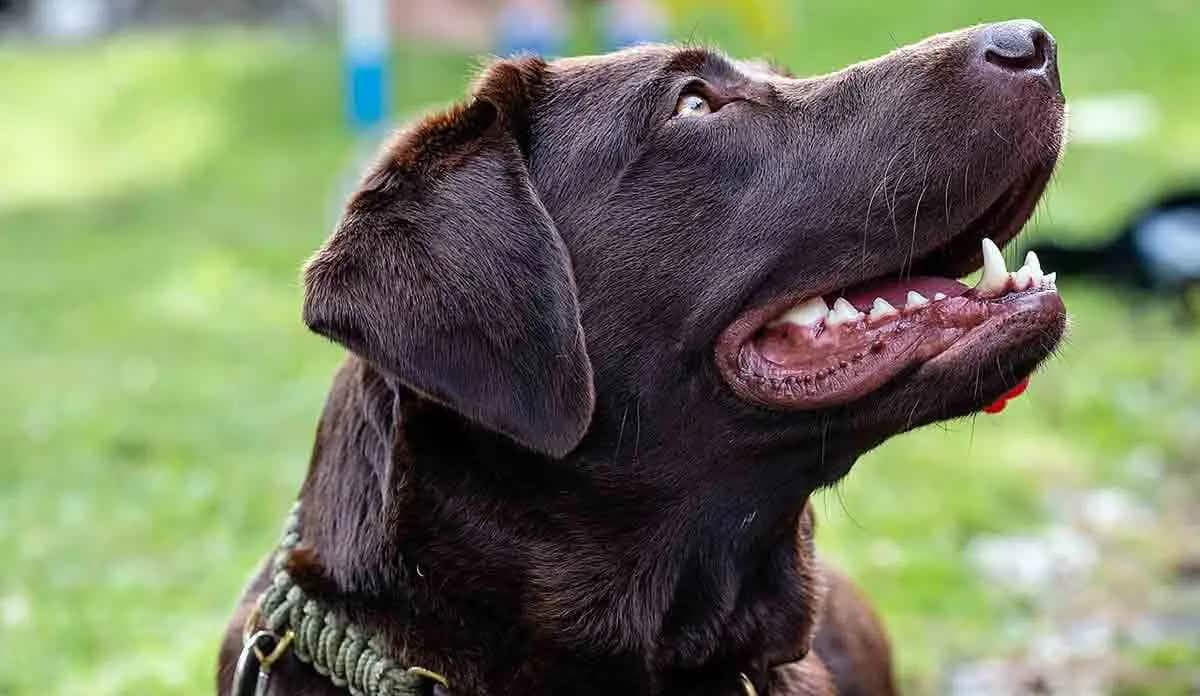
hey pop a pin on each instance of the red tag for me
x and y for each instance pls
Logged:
(998, 405)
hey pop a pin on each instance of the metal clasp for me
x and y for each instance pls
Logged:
(260, 651)
(747, 685)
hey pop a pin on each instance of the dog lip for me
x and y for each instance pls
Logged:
(854, 363)
(1042, 303)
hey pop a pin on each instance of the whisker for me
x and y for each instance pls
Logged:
(867, 222)
(912, 414)
(912, 244)
(946, 199)
(621, 432)
(883, 182)
(842, 500)
(824, 432)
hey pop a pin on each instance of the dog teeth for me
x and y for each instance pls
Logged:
(1029, 275)
(842, 313)
(881, 309)
(1022, 279)
(995, 281)
(806, 314)
(996, 278)
(995, 273)
(1031, 261)
(914, 299)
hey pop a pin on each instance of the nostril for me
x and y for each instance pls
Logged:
(1018, 46)
(1032, 56)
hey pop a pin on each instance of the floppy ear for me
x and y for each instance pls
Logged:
(447, 273)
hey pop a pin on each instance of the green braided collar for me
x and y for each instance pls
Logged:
(350, 657)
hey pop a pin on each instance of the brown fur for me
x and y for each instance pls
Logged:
(528, 475)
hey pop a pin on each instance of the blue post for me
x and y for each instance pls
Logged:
(365, 44)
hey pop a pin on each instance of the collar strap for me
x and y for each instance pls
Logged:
(325, 639)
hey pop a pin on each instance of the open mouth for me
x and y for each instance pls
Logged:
(832, 349)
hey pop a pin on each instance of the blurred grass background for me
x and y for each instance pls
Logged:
(159, 192)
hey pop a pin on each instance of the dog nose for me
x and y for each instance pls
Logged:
(1021, 47)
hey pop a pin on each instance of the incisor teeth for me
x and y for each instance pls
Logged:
(843, 312)
(915, 299)
(881, 308)
(1023, 278)
(1050, 279)
(806, 314)
(1032, 268)
(1031, 260)
(995, 273)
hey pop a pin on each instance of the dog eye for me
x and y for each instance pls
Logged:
(692, 104)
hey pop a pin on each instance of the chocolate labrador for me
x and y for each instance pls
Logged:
(614, 319)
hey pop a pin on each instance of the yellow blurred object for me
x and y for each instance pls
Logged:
(767, 21)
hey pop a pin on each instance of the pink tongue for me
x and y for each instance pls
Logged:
(895, 291)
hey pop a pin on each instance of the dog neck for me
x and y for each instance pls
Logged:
(511, 573)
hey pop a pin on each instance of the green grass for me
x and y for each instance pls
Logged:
(159, 194)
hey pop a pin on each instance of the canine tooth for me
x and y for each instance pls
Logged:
(1031, 260)
(805, 314)
(842, 312)
(939, 296)
(995, 273)
(915, 299)
(881, 308)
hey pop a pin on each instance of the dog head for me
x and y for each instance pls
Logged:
(640, 249)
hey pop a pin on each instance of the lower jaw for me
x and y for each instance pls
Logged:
(866, 360)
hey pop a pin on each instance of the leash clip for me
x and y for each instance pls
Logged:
(260, 651)
(431, 676)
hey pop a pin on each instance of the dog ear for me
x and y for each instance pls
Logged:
(447, 273)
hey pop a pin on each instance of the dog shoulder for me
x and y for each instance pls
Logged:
(851, 641)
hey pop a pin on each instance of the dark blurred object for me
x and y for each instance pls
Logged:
(10, 9)
(13, 13)
(1158, 251)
